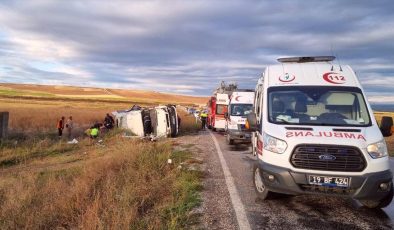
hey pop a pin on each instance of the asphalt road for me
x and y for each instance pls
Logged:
(297, 212)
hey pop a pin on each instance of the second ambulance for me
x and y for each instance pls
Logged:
(241, 104)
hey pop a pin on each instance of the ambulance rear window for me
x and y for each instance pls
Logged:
(221, 109)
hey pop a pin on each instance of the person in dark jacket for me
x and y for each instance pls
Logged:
(109, 121)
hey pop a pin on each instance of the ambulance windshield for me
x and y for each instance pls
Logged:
(240, 109)
(317, 105)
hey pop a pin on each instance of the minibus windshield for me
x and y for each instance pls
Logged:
(240, 109)
(317, 105)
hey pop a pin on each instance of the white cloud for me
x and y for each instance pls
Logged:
(188, 46)
(381, 99)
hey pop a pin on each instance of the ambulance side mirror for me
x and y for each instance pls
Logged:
(386, 126)
(226, 115)
(251, 122)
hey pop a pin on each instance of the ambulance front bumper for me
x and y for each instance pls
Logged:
(238, 135)
(361, 187)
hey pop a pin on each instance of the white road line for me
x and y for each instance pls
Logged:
(239, 209)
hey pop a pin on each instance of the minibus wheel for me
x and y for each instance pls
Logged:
(229, 140)
(379, 204)
(261, 190)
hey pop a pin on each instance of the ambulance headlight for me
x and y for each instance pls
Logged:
(378, 149)
(273, 144)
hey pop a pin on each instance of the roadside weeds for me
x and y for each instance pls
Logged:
(125, 184)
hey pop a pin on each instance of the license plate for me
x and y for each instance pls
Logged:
(247, 135)
(329, 181)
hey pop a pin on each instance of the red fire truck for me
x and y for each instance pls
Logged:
(218, 105)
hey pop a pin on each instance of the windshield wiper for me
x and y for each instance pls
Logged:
(331, 124)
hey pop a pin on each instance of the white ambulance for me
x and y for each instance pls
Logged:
(315, 133)
(220, 108)
(241, 104)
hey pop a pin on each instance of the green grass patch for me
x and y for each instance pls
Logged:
(62, 174)
(187, 146)
(15, 93)
(186, 197)
(13, 152)
(180, 156)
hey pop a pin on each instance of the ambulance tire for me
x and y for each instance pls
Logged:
(379, 204)
(261, 191)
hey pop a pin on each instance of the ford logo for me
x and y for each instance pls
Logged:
(327, 157)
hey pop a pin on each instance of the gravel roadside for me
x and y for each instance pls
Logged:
(216, 211)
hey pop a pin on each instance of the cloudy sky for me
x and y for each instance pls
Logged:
(188, 47)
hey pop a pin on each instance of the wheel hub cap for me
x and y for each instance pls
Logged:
(258, 182)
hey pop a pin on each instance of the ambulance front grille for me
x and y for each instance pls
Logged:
(328, 158)
(241, 127)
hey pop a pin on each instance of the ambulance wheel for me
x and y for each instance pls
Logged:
(214, 129)
(262, 192)
(254, 150)
(209, 126)
(229, 140)
(381, 203)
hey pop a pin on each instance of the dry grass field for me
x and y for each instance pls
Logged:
(32, 116)
(119, 183)
(119, 95)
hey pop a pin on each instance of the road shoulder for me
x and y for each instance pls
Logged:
(216, 211)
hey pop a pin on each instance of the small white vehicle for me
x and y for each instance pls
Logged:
(218, 110)
(315, 133)
(160, 121)
(240, 105)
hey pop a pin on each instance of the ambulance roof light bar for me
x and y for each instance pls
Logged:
(306, 59)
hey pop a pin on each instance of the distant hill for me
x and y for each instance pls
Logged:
(89, 93)
(106, 94)
(383, 107)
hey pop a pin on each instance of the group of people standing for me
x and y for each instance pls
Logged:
(69, 125)
(93, 131)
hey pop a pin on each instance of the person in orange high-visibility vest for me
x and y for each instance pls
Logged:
(60, 126)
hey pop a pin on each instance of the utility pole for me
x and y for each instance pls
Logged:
(4, 124)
